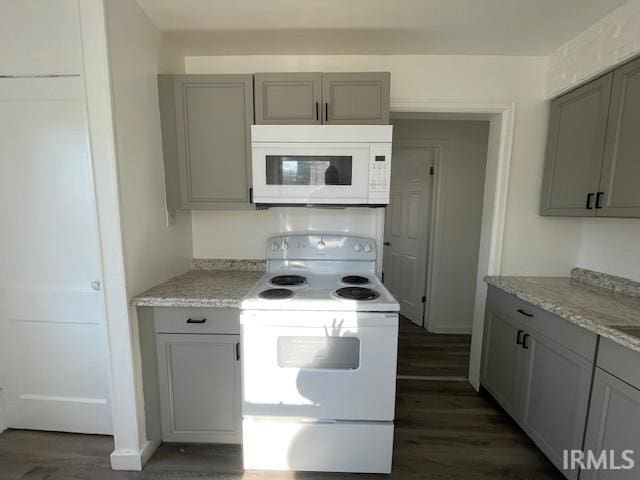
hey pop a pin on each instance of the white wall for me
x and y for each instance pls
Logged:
(153, 251)
(218, 234)
(612, 40)
(611, 245)
(533, 244)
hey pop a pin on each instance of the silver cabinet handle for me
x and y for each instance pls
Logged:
(95, 285)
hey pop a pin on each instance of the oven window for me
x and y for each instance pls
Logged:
(309, 170)
(338, 353)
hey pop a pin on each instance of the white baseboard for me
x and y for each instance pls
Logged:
(458, 330)
(133, 460)
(3, 418)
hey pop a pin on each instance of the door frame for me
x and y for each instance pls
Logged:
(501, 116)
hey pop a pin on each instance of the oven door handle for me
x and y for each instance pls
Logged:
(317, 420)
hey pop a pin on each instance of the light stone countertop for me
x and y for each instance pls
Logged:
(588, 299)
(204, 287)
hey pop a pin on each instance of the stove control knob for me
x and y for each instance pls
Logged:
(357, 247)
(285, 245)
(274, 247)
(367, 247)
(321, 245)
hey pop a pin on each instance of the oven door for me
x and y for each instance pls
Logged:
(338, 366)
(310, 173)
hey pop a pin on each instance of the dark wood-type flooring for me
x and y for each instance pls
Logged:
(421, 353)
(444, 430)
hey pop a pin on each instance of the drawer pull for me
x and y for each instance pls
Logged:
(526, 314)
(196, 320)
(588, 206)
(238, 351)
(525, 344)
(519, 337)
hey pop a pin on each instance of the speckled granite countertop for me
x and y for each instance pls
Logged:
(595, 301)
(211, 283)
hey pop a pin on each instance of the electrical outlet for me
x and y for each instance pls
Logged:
(171, 218)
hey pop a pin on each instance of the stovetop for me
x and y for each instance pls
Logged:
(320, 292)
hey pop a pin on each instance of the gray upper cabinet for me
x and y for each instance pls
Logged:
(575, 144)
(613, 425)
(555, 397)
(288, 98)
(356, 98)
(206, 124)
(620, 184)
(327, 98)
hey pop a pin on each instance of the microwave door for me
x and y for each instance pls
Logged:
(329, 174)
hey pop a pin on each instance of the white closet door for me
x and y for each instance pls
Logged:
(54, 364)
(407, 223)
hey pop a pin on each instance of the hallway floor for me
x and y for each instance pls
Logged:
(444, 430)
(425, 354)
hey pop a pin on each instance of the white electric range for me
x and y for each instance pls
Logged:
(319, 336)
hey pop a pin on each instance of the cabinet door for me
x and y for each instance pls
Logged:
(613, 425)
(199, 377)
(501, 359)
(620, 184)
(288, 98)
(575, 143)
(213, 120)
(555, 397)
(356, 98)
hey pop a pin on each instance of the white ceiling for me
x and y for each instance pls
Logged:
(492, 27)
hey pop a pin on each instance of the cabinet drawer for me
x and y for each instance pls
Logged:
(197, 320)
(573, 337)
(619, 361)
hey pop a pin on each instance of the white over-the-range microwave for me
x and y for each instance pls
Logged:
(321, 164)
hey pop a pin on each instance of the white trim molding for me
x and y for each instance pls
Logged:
(502, 128)
(132, 448)
(133, 460)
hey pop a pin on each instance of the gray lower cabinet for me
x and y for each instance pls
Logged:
(555, 396)
(206, 125)
(538, 367)
(200, 388)
(356, 98)
(620, 184)
(288, 98)
(501, 360)
(575, 143)
(613, 425)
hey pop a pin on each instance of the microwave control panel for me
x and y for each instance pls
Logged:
(380, 171)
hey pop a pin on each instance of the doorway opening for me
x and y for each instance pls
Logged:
(432, 238)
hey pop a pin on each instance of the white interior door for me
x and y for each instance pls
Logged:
(54, 368)
(407, 222)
